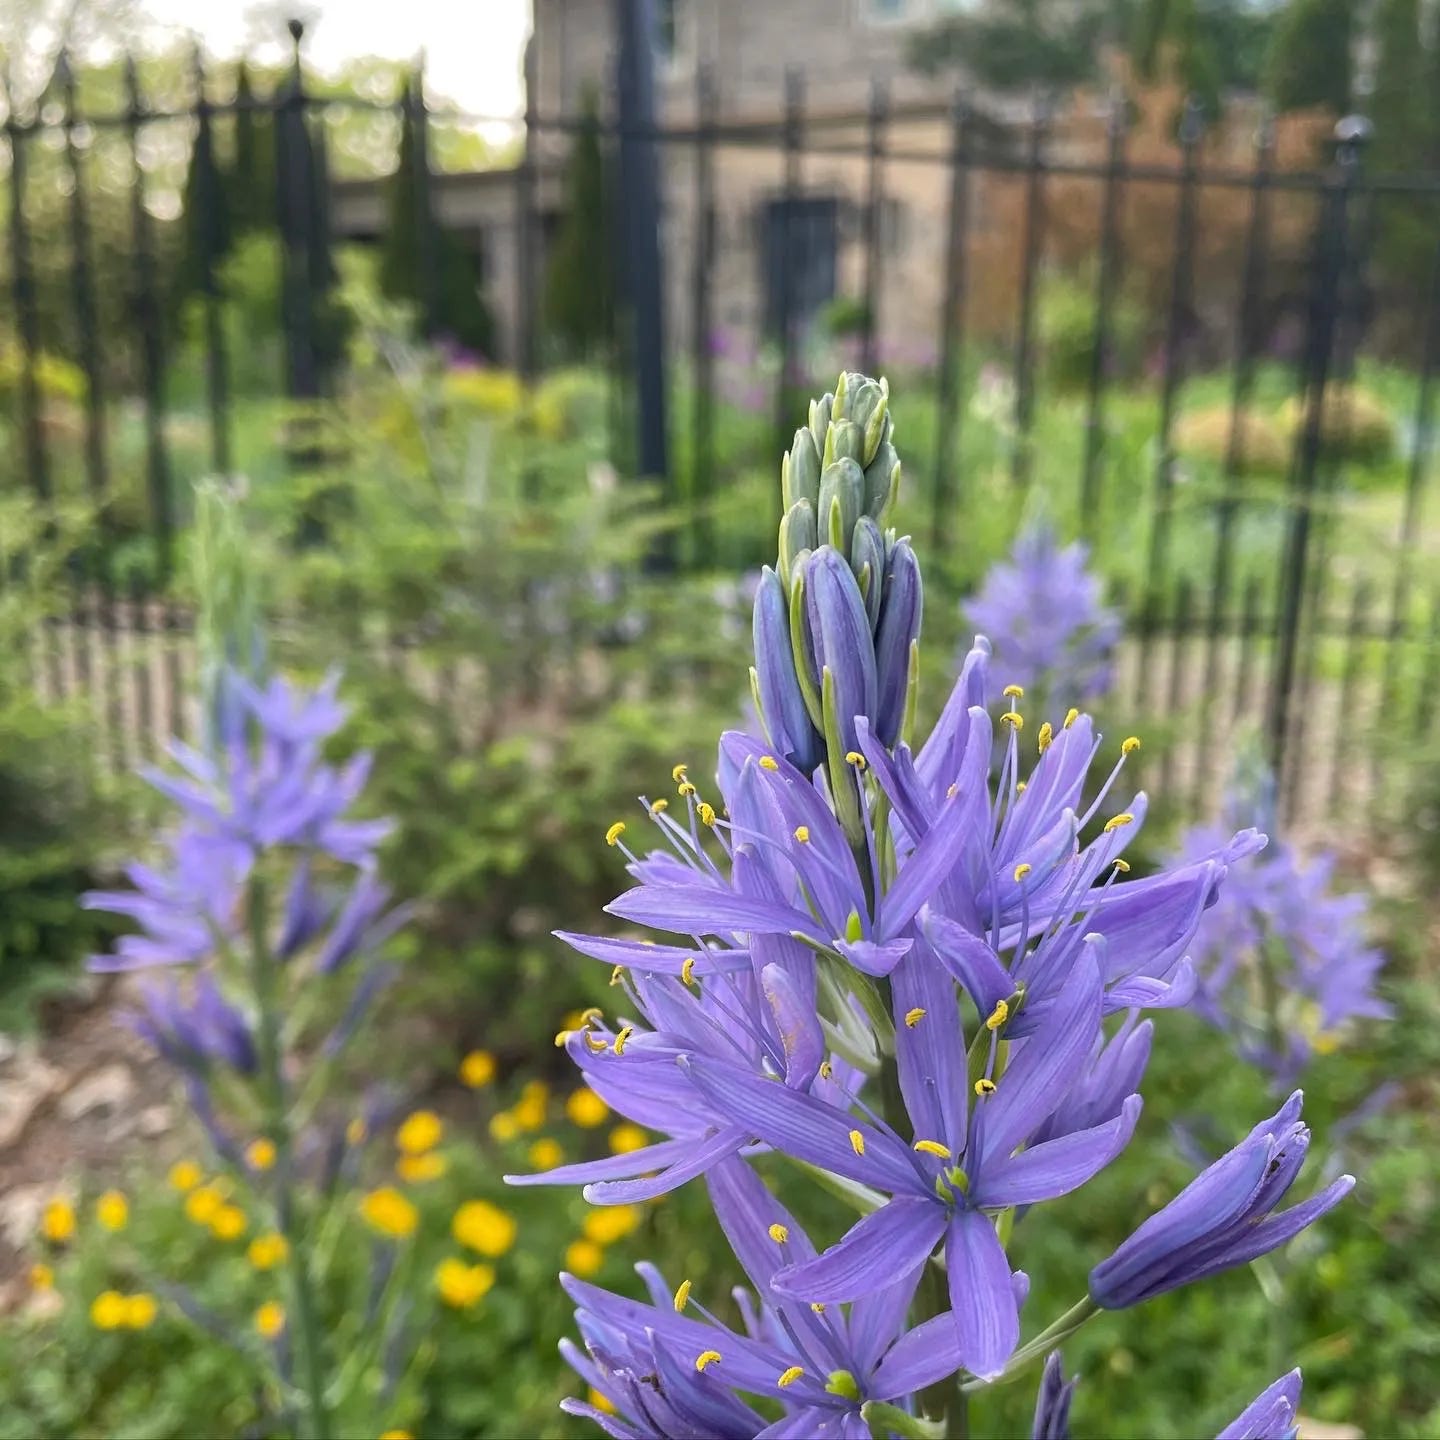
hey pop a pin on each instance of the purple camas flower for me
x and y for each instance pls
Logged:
(1272, 1415)
(1043, 612)
(893, 968)
(1052, 1403)
(1222, 1218)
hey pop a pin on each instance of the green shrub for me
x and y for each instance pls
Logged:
(1066, 328)
(1355, 424)
(1262, 446)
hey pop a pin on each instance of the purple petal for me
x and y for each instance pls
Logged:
(1047, 1171)
(887, 1245)
(700, 1157)
(1271, 1415)
(982, 1299)
(709, 910)
(930, 1352)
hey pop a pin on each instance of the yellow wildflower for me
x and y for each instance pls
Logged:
(586, 1109)
(57, 1222)
(42, 1277)
(109, 1310)
(601, 1402)
(229, 1222)
(260, 1154)
(504, 1127)
(389, 1212)
(270, 1319)
(396, 1435)
(529, 1110)
(421, 1131)
(185, 1175)
(112, 1210)
(460, 1285)
(477, 1069)
(202, 1203)
(140, 1311)
(545, 1153)
(484, 1227)
(267, 1251)
(584, 1258)
(608, 1223)
(627, 1137)
(419, 1168)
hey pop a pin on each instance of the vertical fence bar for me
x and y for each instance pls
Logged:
(1105, 280)
(785, 292)
(1250, 624)
(702, 417)
(1180, 284)
(1415, 480)
(147, 319)
(210, 199)
(27, 314)
(1331, 246)
(293, 180)
(525, 176)
(1356, 636)
(1175, 701)
(427, 276)
(1248, 320)
(874, 205)
(1430, 677)
(1020, 457)
(944, 488)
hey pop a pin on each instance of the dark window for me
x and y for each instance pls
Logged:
(665, 27)
(800, 244)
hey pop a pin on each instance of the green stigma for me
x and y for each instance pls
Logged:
(842, 1383)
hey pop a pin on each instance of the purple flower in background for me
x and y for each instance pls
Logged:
(195, 1033)
(1052, 1403)
(668, 1374)
(1222, 1218)
(1043, 613)
(1272, 1415)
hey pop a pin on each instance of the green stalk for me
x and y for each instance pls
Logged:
(263, 975)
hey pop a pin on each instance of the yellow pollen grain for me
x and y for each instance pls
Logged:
(857, 1142)
(855, 758)
(595, 1043)
(705, 1358)
(706, 813)
(1123, 866)
(623, 1038)
(1020, 787)
(686, 788)
(1014, 719)
(687, 970)
(984, 1087)
(914, 1017)
(818, 1306)
(660, 806)
(1022, 870)
(778, 1233)
(1014, 692)
(769, 762)
(802, 834)
(1046, 735)
(682, 1296)
(617, 974)
(613, 834)
(998, 1016)
(678, 773)
(1130, 744)
(1116, 821)
(933, 1147)
(826, 1069)
(790, 1376)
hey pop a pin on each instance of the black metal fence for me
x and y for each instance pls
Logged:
(1263, 611)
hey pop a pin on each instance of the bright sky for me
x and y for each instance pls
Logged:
(473, 47)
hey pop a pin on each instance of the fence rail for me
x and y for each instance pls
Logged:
(1269, 614)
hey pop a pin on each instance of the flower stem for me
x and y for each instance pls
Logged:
(1036, 1350)
(263, 975)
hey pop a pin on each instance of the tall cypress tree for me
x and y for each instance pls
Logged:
(1311, 56)
(577, 299)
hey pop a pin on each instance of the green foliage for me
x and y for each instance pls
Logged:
(1017, 44)
(578, 297)
(1355, 424)
(1211, 46)
(1262, 446)
(1310, 55)
(844, 316)
(1067, 333)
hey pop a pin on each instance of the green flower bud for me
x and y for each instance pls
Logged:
(867, 560)
(842, 501)
(800, 470)
(820, 411)
(882, 480)
(846, 441)
(798, 534)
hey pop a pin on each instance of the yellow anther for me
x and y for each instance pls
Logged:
(802, 834)
(660, 806)
(826, 1069)
(933, 1147)
(950, 792)
(561, 1036)
(591, 1015)
(1046, 735)
(679, 773)
(914, 1017)
(687, 970)
(984, 1087)
(623, 1038)
(706, 813)
(790, 1376)
(613, 834)
(595, 1043)
(682, 1295)
(686, 788)
(1013, 719)
(998, 1016)
(1022, 870)
(1123, 866)
(617, 974)
(1020, 787)
(1130, 744)
(855, 758)
(818, 1306)
(1014, 692)
(1071, 716)
(706, 1357)
(857, 1142)
(1116, 821)
(769, 762)
(778, 1233)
